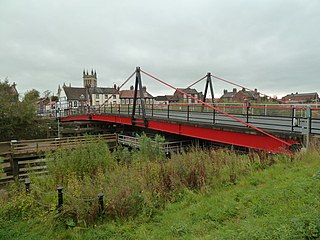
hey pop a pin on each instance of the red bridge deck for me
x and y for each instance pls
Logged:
(238, 138)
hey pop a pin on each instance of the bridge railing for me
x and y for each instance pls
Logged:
(168, 147)
(281, 117)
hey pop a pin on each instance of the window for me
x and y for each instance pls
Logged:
(106, 96)
(70, 104)
(114, 97)
(75, 103)
(97, 95)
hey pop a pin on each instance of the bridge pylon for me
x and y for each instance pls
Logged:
(138, 88)
(208, 84)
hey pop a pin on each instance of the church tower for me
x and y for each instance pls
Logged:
(89, 80)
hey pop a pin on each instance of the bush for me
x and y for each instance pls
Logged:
(134, 183)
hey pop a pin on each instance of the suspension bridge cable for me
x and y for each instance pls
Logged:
(191, 85)
(218, 110)
(232, 83)
(197, 81)
(115, 92)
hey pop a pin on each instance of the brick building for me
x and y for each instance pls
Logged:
(240, 96)
(301, 98)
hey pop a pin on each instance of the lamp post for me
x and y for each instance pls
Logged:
(82, 105)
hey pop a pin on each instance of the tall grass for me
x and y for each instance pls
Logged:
(136, 183)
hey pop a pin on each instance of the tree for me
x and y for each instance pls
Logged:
(18, 119)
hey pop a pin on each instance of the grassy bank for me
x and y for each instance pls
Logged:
(198, 195)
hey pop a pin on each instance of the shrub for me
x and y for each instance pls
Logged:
(134, 183)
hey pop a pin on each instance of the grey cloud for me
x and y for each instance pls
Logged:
(270, 45)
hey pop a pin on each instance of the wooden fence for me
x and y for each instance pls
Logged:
(20, 157)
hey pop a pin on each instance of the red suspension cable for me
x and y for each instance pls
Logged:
(225, 80)
(115, 92)
(217, 109)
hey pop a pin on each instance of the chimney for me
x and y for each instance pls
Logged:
(234, 90)
(114, 86)
(256, 90)
(144, 88)
(131, 87)
(225, 91)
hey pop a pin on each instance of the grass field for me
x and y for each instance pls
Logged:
(277, 201)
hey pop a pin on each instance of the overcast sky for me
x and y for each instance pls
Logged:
(271, 45)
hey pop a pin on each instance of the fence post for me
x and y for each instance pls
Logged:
(152, 110)
(168, 112)
(188, 113)
(60, 198)
(248, 113)
(214, 116)
(27, 184)
(293, 119)
(101, 204)
(310, 120)
(307, 127)
(14, 162)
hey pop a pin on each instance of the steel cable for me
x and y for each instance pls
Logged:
(217, 109)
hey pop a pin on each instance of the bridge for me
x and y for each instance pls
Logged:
(280, 128)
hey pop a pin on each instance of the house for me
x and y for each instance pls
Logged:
(77, 96)
(228, 96)
(100, 95)
(240, 96)
(88, 95)
(166, 99)
(301, 98)
(126, 96)
(183, 98)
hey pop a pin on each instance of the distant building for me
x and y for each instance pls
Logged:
(10, 91)
(126, 96)
(228, 96)
(183, 98)
(100, 95)
(77, 96)
(88, 95)
(89, 80)
(301, 98)
(166, 99)
(240, 96)
(14, 91)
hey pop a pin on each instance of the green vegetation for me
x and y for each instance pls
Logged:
(18, 118)
(212, 194)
